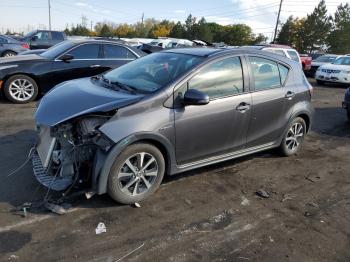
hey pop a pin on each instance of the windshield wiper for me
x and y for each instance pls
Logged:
(123, 86)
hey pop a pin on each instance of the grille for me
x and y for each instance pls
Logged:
(330, 71)
(45, 145)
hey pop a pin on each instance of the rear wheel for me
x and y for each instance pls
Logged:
(294, 137)
(8, 53)
(136, 173)
(20, 89)
(320, 82)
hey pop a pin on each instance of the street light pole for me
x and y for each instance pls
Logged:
(49, 15)
(278, 19)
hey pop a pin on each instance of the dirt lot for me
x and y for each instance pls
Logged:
(210, 214)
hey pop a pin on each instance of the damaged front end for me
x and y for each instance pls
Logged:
(65, 153)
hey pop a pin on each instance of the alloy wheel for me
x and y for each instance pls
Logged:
(9, 54)
(294, 136)
(138, 174)
(21, 89)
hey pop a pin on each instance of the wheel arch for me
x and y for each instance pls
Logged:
(7, 77)
(8, 50)
(100, 177)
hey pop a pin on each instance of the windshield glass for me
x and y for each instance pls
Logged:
(57, 50)
(152, 72)
(342, 61)
(31, 33)
(325, 59)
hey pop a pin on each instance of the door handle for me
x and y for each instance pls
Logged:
(93, 66)
(242, 107)
(289, 95)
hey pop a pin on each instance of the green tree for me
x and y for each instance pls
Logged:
(287, 32)
(178, 31)
(339, 38)
(106, 31)
(317, 28)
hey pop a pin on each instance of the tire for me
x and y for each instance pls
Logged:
(291, 142)
(20, 89)
(8, 53)
(122, 180)
(320, 82)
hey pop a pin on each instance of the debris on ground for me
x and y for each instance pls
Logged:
(262, 193)
(120, 259)
(312, 204)
(286, 197)
(188, 202)
(245, 201)
(58, 209)
(313, 179)
(307, 214)
(137, 205)
(101, 228)
(271, 239)
(13, 258)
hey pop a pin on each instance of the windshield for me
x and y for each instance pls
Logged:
(57, 50)
(31, 33)
(152, 72)
(325, 59)
(342, 61)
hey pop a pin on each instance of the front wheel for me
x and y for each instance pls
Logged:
(20, 89)
(9, 53)
(294, 137)
(136, 173)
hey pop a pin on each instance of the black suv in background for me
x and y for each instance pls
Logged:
(42, 39)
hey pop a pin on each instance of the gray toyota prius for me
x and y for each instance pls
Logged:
(122, 131)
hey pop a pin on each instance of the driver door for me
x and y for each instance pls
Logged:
(221, 125)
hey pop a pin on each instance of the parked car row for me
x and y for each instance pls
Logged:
(23, 78)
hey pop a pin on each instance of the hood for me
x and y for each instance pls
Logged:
(20, 58)
(335, 67)
(79, 97)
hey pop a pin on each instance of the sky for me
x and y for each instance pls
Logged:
(26, 15)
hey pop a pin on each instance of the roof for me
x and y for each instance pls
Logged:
(197, 51)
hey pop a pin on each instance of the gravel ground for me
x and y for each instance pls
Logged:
(209, 214)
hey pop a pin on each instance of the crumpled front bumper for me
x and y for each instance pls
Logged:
(54, 182)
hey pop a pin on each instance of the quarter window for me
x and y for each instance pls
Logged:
(115, 52)
(88, 51)
(293, 55)
(283, 72)
(220, 79)
(265, 73)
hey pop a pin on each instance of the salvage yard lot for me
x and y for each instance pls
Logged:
(208, 214)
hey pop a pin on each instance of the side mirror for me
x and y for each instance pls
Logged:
(66, 57)
(195, 97)
(34, 38)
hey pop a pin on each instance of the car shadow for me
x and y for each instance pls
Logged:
(331, 121)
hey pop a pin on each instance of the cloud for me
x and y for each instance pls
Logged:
(81, 4)
(180, 11)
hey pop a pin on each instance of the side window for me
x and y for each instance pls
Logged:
(42, 36)
(57, 36)
(88, 51)
(3, 40)
(293, 55)
(115, 52)
(283, 72)
(220, 79)
(265, 73)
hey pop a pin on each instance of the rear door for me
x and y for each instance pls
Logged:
(221, 126)
(115, 55)
(270, 110)
(86, 56)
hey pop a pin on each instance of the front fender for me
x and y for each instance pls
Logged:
(101, 171)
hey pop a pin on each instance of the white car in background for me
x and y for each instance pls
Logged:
(282, 50)
(321, 60)
(336, 72)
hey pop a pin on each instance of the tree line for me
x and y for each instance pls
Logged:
(318, 31)
(192, 28)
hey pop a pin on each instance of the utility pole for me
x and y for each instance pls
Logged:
(143, 15)
(91, 25)
(49, 15)
(278, 20)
